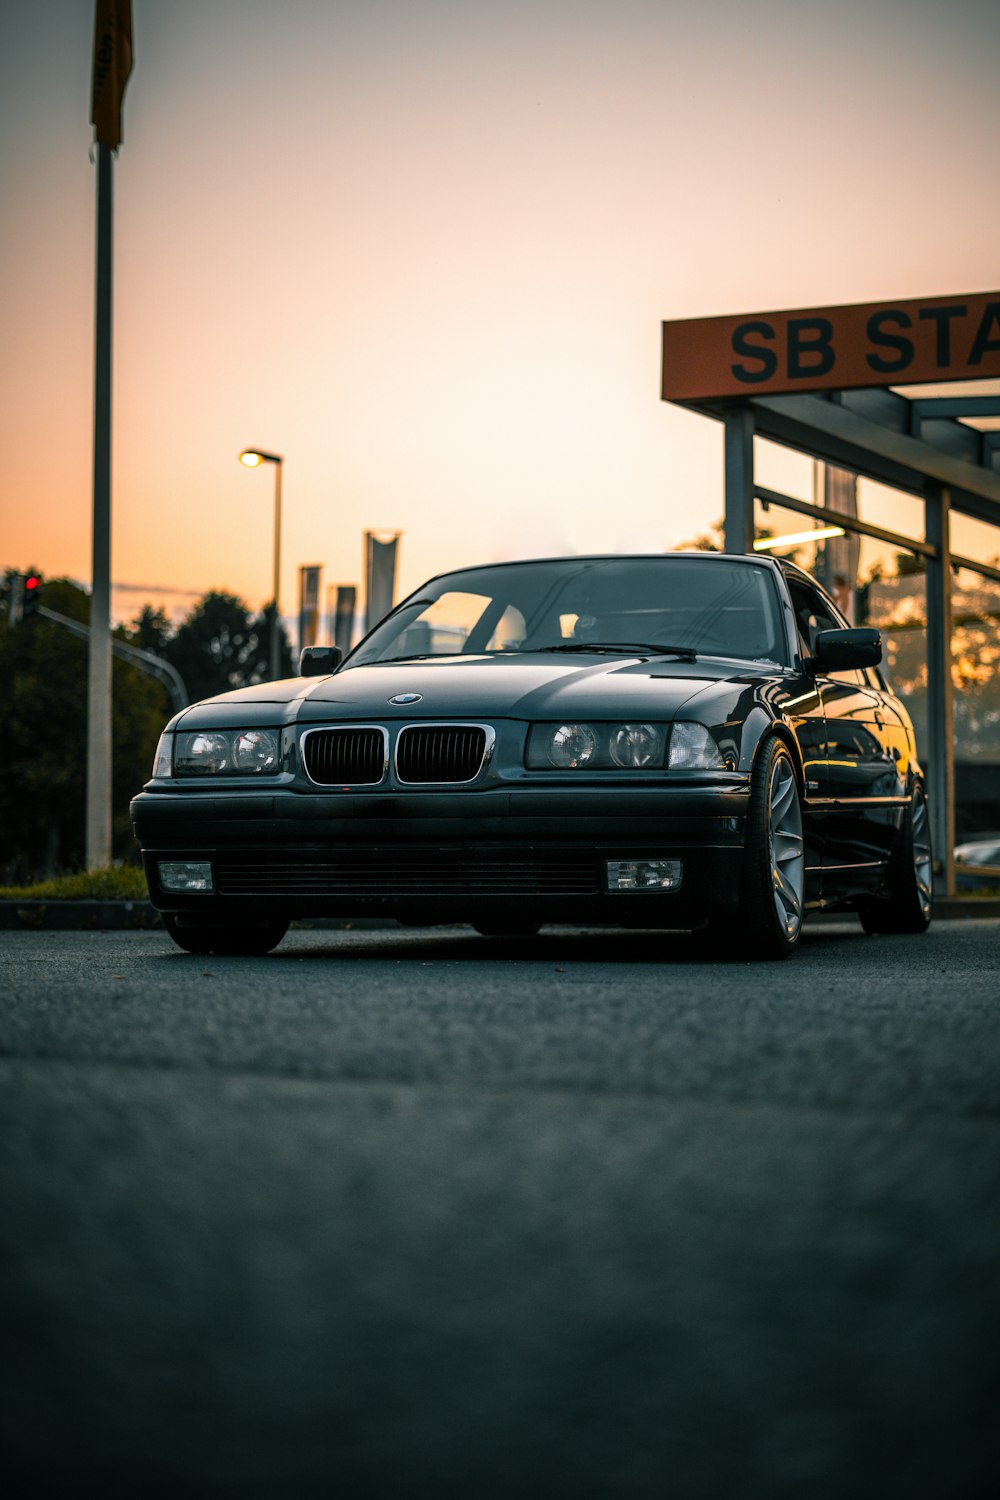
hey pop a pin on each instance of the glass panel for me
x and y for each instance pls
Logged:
(893, 510)
(510, 632)
(975, 652)
(801, 477)
(785, 470)
(842, 564)
(891, 594)
(976, 540)
(443, 627)
(706, 603)
(776, 522)
(872, 583)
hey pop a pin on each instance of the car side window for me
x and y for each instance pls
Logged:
(813, 614)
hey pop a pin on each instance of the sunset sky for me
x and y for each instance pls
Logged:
(422, 248)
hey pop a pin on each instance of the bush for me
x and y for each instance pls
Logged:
(121, 883)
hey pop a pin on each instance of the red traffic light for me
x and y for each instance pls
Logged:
(31, 593)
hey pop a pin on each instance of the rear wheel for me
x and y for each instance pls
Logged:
(907, 905)
(769, 921)
(228, 938)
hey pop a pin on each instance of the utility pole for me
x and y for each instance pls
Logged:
(112, 65)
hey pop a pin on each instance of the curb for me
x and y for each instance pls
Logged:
(77, 916)
(954, 908)
(129, 916)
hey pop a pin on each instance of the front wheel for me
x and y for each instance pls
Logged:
(907, 905)
(769, 921)
(230, 938)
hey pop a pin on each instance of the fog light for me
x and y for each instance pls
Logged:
(186, 875)
(643, 874)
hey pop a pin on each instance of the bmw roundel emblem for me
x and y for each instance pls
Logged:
(406, 698)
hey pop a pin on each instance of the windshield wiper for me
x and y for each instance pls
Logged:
(626, 648)
(385, 661)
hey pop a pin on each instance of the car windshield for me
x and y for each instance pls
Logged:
(675, 604)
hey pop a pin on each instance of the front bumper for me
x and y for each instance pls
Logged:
(455, 856)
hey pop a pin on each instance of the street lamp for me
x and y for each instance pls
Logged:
(253, 458)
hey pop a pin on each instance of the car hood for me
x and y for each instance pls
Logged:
(530, 686)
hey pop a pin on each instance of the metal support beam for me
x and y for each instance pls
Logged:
(153, 666)
(831, 430)
(940, 696)
(738, 425)
(955, 406)
(826, 515)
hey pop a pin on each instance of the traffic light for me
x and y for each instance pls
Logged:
(31, 594)
(24, 596)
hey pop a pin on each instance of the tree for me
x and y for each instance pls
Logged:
(220, 646)
(712, 540)
(262, 665)
(43, 686)
(150, 631)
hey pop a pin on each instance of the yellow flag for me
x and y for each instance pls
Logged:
(112, 65)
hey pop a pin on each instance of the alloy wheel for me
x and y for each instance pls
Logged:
(923, 864)
(785, 847)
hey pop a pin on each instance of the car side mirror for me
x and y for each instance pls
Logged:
(318, 661)
(840, 650)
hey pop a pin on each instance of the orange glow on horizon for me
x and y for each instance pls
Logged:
(469, 225)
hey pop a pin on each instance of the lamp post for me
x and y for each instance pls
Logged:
(253, 458)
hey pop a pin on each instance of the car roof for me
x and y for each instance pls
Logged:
(753, 558)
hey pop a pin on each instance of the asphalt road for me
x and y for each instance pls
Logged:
(410, 1213)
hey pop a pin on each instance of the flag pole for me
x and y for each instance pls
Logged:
(99, 678)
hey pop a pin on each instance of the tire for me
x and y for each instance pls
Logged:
(248, 938)
(772, 886)
(907, 905)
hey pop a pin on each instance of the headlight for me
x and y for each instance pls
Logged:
(692, 748)
(637, 745)
(202, 754)
(227, 752)
(572, 745)
(596, 747)
(164, 758)
(255, 750)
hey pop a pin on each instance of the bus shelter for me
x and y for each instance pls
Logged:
(864, 442)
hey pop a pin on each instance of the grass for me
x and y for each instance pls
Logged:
(124, 883)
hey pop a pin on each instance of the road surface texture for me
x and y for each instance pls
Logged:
(424, 1214)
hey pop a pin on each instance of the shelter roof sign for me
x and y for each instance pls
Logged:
(832, 348)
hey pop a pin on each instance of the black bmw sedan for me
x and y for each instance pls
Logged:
(685, 740)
